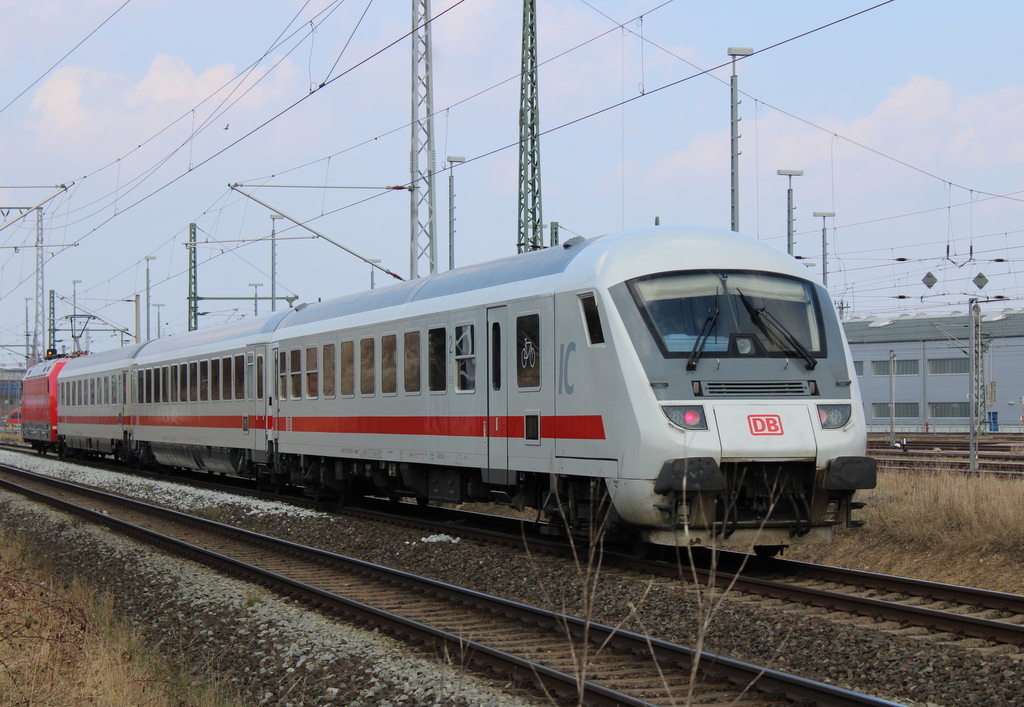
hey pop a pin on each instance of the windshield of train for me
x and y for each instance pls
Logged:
(731, 313)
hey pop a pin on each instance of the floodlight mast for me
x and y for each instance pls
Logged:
(734, 89)
(789, 204)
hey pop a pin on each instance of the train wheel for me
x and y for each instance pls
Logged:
(767, 550)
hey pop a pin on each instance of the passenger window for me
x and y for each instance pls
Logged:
(388, 364)
(296, 372)
(174, 384)
(183, 382)
(193, 381)
(348, 368)
(312, 373)
(528, 351)
(259, 377)
(156, 385)
(226, 378)
(437, 373)
(592, 318)
(204, 380)
(328, 365)
(282, 375)
(106, 390)
(166, 384)
(412, 362)
(465, 358)
(215, 379)
(240, 378)
(148, 395)
(366, 366)
(496, 356)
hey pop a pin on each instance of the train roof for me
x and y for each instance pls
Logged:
(601, 261)
(43, 368)
(508, 270)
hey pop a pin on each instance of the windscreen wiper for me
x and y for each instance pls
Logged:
(777, 332)
(702, 339)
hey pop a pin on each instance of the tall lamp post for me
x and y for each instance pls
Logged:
(824, 244)
(158, 306)
(255, 297)
(148, 258)
(735, 52)
(452, 161)
(74, 313)
(790, 173)
(273, 261)
(28, 337)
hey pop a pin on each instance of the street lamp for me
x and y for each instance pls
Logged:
(372, 262)
(452, 161)
(74, 313)
(273, 261)
(824, 244)
(735, 52)
(789, 204)
(255, 297)
(158, 306)
(148, 258)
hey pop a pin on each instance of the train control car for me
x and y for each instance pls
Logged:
(39, 404)
(679, 386)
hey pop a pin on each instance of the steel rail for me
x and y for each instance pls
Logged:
(713, 667)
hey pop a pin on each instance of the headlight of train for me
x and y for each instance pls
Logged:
(834, 416)
(689, 417)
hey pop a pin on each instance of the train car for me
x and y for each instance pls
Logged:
(680, 386)
(38, 412)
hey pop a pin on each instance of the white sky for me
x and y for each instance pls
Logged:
(907, 121)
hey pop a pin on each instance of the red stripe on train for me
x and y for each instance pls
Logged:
(552, 426)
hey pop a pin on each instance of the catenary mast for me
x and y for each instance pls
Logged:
(423, 215)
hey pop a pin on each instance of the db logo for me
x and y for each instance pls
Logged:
(765, 424)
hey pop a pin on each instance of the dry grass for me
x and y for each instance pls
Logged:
(946, 509)
(59, 646)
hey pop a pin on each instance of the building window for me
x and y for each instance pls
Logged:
(465, 358)
(528, 351)
(389, 364)
(949, 409)
(366, 366)
(948, 366)
(858, 368)
(903, 410)
(904, 367)
(328, 379)
(437, 373)
(412, 362)
(591, 317)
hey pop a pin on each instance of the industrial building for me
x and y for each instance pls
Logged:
(923, 363)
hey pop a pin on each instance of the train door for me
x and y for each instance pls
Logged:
(497, 389)
(259, 428)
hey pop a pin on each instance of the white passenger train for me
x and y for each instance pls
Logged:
(693, 382)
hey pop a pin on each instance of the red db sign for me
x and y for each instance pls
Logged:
(765, 424)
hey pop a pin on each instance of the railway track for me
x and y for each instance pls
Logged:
(560, 654)
(974, 618)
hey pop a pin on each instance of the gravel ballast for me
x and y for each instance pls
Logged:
(277, 653)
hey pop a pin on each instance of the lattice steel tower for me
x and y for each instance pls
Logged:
(531, 222)
(421, 158)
